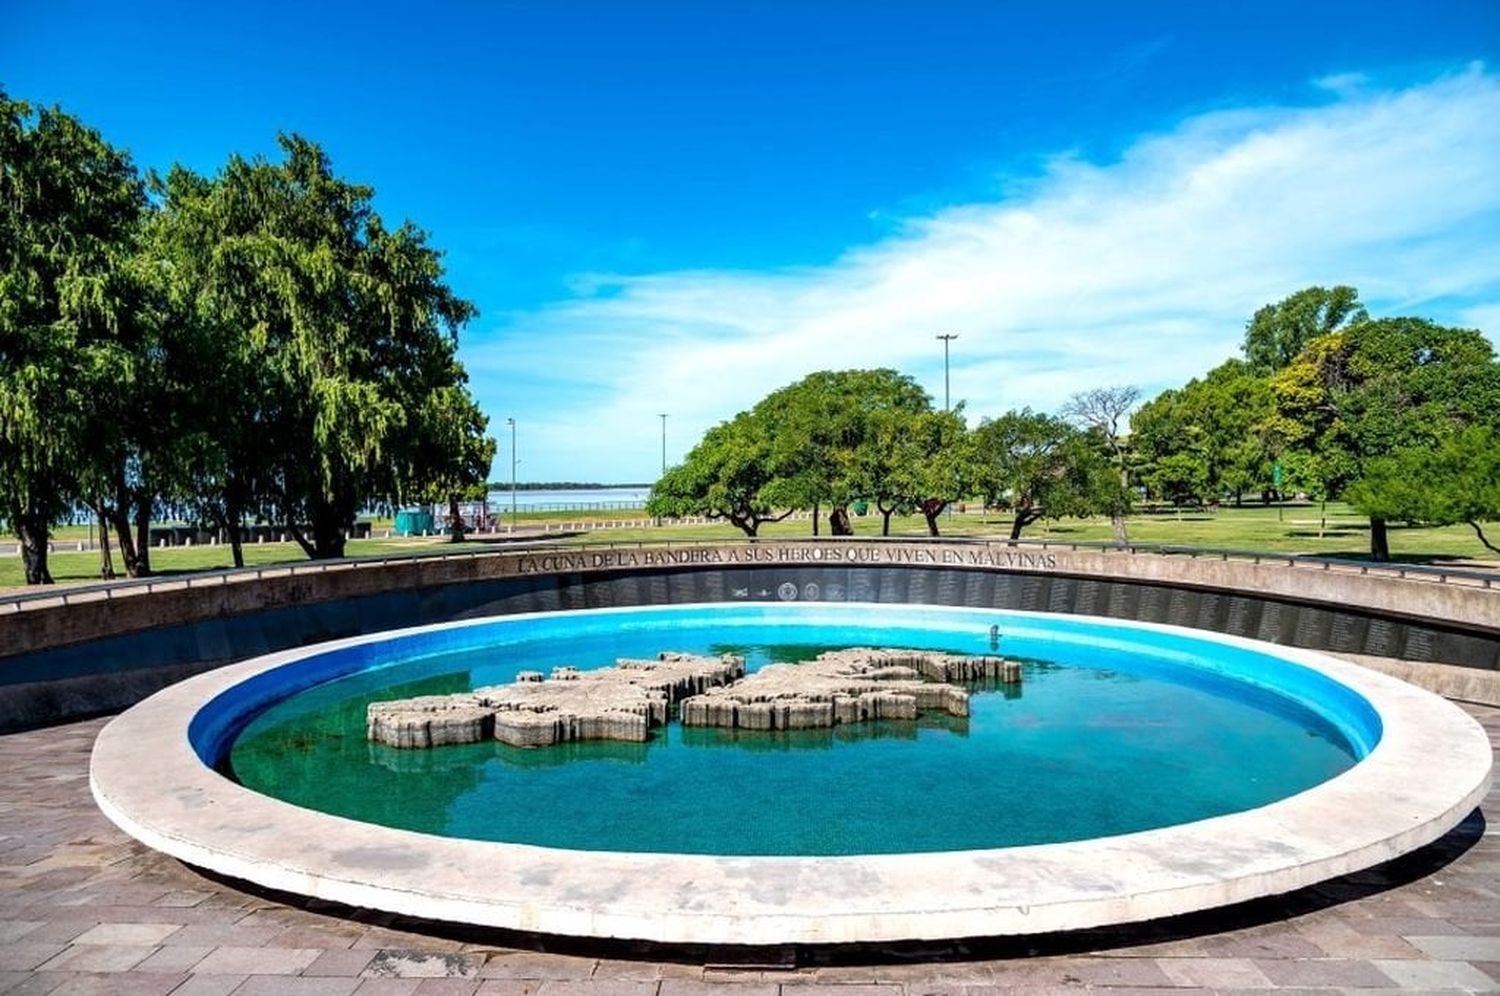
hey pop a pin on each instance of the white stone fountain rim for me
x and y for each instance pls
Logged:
(1430, 769)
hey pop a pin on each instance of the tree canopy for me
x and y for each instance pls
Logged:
(254, 344)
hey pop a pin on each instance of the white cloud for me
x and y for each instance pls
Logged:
(1138, 271)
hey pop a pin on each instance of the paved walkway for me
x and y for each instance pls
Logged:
(84, 909)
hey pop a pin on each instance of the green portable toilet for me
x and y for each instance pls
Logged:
(413, 522)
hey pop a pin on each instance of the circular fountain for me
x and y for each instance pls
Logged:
(1135, 771)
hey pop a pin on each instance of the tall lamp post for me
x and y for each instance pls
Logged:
(947, 337)
(512, 423)
(663, 417)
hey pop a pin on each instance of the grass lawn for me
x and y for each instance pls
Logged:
(1290, 529)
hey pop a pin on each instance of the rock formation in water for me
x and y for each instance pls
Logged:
(622, 702)
(847, 686)
(626, 701)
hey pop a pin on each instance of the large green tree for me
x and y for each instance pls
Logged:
(1278, 332)
(335, 331)
(726, 476)
(1205, 438)
(1041, 466)
(70, 210)
(1455, 481)
(821, 429)
(1105, 411)
(1378, 388)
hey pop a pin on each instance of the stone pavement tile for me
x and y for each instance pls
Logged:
(1343, 940)
(597, 987)
(59, 932)
(388, 987)
(633, 971)
(375, 938)
(127, 933)
(98, 958)
(1409, 974)
(340, 962)
(531, 965)
(1424, 925)
(1490, 968)
(14, 930)
(1138, 972)
(1288, 945)
(281, 985)
(119, 984)
(698, 987)
(1324, 972)
(210, 985)
(1459, 948)
(332, 936)
(1215, 973)
(821, 988)
(175, 958)
(36, 984)
(407, 964)
(930, 979)
(216, 935)
(439, 987)
(529, 987)
(256, 961)
(182, 899)
(23, 956)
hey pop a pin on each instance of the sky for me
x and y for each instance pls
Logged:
(679, 207)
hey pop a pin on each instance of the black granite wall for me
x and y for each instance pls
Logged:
(106, 675)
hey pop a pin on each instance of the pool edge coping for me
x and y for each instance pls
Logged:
(207, 820)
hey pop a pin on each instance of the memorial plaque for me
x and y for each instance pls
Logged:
(1059, 595)
(1007, 591)
(681, 588)
(1418, 644)
(1382, 638)
(1270, 622)
(1182, 607)
(1031, 593)
(711, 586)
(1312, 628)
(861, 585)
(918, 586)
(1087, 601)
(1153, 604)
(1124, 600)
(1210, 612)
(979, 588)
(948, 588)
(1347, 633)
(1241, 621)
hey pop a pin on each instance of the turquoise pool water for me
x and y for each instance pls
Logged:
(1114, 729)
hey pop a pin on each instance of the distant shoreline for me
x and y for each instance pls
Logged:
(559, 486)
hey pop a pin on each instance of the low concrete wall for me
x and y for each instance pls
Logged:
(64, 661)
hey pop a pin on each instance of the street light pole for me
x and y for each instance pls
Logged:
(663, 417)
(512, 423)
(947, 337)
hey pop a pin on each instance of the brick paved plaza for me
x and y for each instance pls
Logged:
(84, 909)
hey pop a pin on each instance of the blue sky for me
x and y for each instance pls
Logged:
(679, 207)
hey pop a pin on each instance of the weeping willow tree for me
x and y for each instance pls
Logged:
(70, 209)
(330, 334)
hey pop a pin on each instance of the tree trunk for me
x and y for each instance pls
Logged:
(106, 559)
(1117, 523)
(455, 521)
(1380, 546)
(1017, 525)
(817, 509)
(931, 509)
(142, 537)
(32, 532)
(747, 525)
(233, 515)
(885, 519)
(838, 522)
(328, 535)
(1479, 531)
